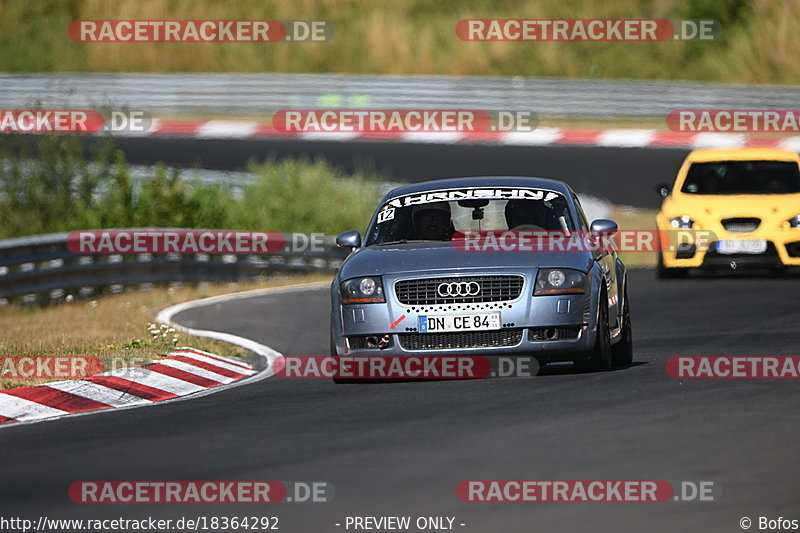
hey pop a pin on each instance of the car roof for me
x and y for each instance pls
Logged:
(742, 154)
(481, 181)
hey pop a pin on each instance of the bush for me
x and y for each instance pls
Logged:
(48, 184)
(305, 196)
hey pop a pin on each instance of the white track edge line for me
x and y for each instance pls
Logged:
(165, 315)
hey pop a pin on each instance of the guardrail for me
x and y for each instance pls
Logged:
(266, 93)
(41, 269)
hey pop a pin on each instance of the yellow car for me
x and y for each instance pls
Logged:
(740, 208)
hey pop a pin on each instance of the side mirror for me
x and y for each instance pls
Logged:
(603, 226)
(663, 190)
(349, 239)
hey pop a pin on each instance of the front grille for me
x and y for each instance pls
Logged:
(472, 339)
(560, 333)
(741, 224)
(492, 289)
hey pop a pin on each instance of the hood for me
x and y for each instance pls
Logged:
(758, 205)
(430, 256)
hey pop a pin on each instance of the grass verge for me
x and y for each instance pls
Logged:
(634, 218)
(759, 42)
(114, 328)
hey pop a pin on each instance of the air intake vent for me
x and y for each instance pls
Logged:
(741, 225)
(473, 339)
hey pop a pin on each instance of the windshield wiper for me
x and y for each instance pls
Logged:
(405, 241)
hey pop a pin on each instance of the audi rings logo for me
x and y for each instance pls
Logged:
(458, 288)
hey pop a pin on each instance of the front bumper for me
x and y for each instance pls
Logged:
(783, 250)
(551, 328)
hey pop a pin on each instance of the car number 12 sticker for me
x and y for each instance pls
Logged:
(386, 214)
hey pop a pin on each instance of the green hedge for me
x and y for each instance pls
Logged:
(51, 185)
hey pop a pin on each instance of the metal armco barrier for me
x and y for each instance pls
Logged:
(40, 269)
(267, 93)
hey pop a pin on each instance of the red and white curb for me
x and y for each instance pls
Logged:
(545, 136)
(185, 375)
(185, 371)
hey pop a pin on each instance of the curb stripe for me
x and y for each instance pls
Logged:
(538, 137)
(98, 393)
(216, 362)
(580, 137)
(546, 135)
(182, 375)
(143, 376)
(21, 409)
(129, 387)
(57, 399)
(197, 370)
(243, 366)
(217, 129)
(208, 366)
(183, 372)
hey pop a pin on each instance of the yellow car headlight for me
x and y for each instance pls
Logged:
(682, 222)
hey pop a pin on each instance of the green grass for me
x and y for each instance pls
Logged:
(636, 219)
(115, 328)
(759, 41)
(53, 186)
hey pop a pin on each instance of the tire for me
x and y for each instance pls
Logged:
(622, 352)
(600, 355)
(663, 272)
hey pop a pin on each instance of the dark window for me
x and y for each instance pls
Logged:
(743, 177)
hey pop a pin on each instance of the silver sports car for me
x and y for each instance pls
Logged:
(411, 286)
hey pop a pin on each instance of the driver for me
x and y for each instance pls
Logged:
(432, 222)
(523, 214)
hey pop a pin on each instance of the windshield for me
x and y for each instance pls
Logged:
(743, 177)
(437, 215)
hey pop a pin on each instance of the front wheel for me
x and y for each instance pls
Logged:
(622, 352)
(600, 358)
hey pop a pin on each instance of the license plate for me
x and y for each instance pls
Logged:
(752, 246)
(465, 322)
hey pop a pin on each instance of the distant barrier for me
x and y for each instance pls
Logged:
(267, 93)
(41, 269)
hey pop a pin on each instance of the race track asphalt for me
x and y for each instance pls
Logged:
(625, 176)
(401, 448)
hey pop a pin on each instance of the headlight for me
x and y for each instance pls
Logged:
(362, 290)
(559, 281)
(683, 222)
(794, 222)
